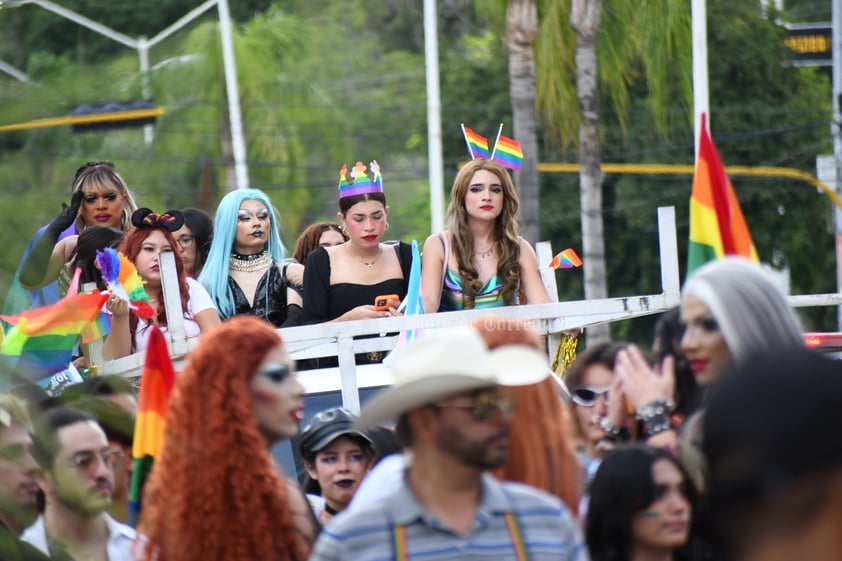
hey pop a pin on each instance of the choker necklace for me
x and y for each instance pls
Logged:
(484, 254)
(371, 263)
(249, 263)
(330, 510)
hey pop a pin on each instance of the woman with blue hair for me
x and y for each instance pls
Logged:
(247, 271)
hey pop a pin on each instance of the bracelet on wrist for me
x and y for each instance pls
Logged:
(656, 408)
(657, 425)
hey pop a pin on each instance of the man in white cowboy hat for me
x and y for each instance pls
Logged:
(452, 410)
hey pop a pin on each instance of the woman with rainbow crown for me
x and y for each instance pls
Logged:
(246, 270)
(342, 282)
(480, 261)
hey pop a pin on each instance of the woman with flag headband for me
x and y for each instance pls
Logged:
(342, 282)
(480, 261)
(215, 491)
(151, 236)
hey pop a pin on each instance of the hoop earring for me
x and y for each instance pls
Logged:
(345, 231)
(124, 221)
(387, 226)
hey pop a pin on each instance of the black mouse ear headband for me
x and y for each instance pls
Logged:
(171, 220)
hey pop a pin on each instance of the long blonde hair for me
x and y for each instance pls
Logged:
(505, 233)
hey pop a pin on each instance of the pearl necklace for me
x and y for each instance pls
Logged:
(249, 263)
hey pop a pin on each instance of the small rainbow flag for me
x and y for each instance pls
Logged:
(156, 385)
(507, 152)
(97, 329)
(122, 279)
(43, 339)
(477, 144)
(567, 259)
(717, 225)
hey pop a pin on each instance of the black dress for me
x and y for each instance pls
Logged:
(270, 299)
(324, 302)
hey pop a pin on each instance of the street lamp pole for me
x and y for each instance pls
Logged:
(142, 46)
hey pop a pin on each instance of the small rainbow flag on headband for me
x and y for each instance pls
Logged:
(477, 144)
(567, 259)
(122, 279)
(156, 384)
(360, 182)
(43, 339)
(507, 152)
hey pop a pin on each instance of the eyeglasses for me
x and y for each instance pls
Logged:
(185, 241)
(586, 395)
(483, 404)
(86, 460)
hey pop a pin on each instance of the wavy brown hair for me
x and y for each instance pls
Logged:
(540, 453)
(308, 241)
(214, 492)
(505, 233)
(131, 246)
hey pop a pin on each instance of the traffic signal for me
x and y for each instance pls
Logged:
(114, 115)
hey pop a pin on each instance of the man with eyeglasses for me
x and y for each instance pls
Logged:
(77, 478)
(18, 490)
(452, 410)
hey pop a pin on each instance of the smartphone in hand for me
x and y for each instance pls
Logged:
(381, 303)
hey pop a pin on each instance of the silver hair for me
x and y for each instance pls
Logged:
(751, 310)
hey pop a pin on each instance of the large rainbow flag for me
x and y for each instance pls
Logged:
(717, 225)
(42, 340)
(156, 384)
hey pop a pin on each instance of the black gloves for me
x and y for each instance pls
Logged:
(35, 265)
(66, 217)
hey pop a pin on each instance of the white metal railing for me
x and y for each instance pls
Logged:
(551, 319)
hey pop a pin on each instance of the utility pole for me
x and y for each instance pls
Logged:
(836, 132)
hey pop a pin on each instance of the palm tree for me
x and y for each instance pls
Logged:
(627, 38)
(275, 103)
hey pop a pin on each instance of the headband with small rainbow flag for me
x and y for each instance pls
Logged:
(360, 182)
(506, 151)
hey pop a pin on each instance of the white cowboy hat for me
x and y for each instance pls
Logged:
(449, 362)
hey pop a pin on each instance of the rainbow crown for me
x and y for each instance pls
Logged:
(360, 182)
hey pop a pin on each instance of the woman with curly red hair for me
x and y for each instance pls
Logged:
(540, 453)
(215, 492)
(151, 236)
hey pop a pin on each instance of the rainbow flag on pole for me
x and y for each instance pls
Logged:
(43, 339)
(567, 259)
(717, 225)
(507, 152)
(477, 144)
(156, 384)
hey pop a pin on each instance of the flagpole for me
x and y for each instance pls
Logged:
(496, 140)
(467, 142)
(701, 102)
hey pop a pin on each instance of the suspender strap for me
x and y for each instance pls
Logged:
(402, 552)
(399, 542)
(516, 536)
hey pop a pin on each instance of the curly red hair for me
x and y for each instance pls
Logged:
(214, 492)
(541, 453)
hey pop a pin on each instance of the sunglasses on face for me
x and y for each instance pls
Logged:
(586, 395)
(483, 404)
